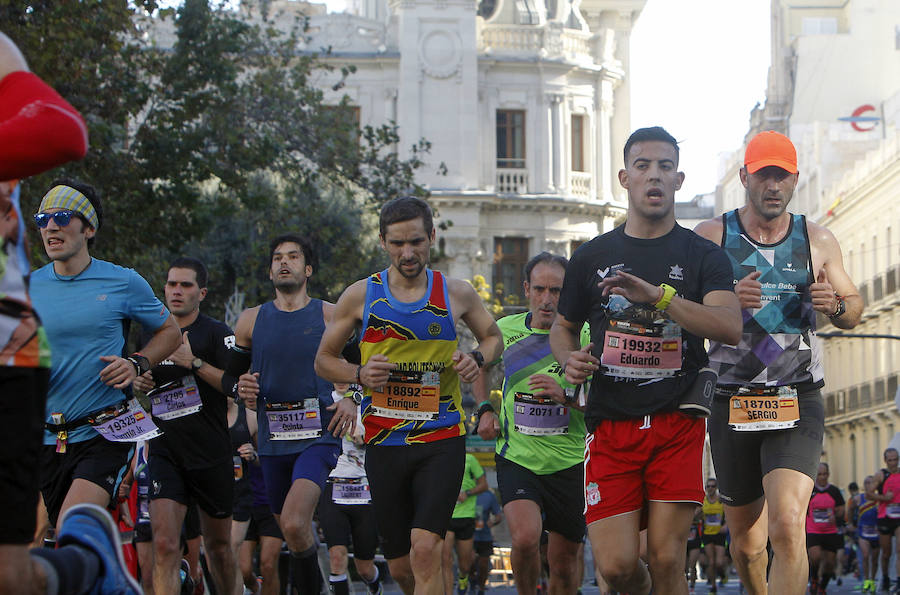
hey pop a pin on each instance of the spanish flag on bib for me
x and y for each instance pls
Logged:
(421, 402)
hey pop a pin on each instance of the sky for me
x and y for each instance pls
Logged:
(697, 69)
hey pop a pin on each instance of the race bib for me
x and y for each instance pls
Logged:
(868, 531)
(125, 423)
(176, 399)
(694, 534)
(294, 421)
(409, 395)
(893, 511)
(753, 410)
(713, 520)
(237, 464)
(820, 515)
(350, 490)
(535, 416)
(635, 350)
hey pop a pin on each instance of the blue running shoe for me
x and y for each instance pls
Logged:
(91, 527)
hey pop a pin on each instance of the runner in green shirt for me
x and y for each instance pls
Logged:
(540, 438)
(461, 532)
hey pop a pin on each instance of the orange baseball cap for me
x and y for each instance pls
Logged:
(770, 148)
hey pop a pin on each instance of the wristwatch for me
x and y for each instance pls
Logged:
(570, 394)
(196, 364)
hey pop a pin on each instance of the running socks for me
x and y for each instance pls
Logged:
(339, 584)
(71, 569)
(305, 573)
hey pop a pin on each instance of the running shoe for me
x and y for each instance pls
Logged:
(91, 527)
(187, 582)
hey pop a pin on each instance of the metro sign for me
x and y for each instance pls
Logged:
(857, 118)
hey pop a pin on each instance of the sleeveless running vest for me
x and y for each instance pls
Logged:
(284, 349)
(779, 344)
(420, 337)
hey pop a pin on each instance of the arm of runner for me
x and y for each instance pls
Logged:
(184, 357)
(330, 364)
(578, 363)
(482, 325)
(832, 280)
(717, 318)
(38, 128)
(120, 372)
(481, 485)
(238, 364)
(144, 382)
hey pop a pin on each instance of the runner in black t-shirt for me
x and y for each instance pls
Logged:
(191, 461)
(651, 290)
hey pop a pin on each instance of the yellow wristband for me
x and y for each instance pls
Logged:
(666, 299)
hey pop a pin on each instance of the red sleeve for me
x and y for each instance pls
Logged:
(38, 129)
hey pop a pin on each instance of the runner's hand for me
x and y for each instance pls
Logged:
(822, 294)
(119, 373)
(488, 426)
(248, 389)
(581, 365)
(635, 289)
(462, 496)
(144, 382)
(749, 291)
(344, 419)
(247, 452)
(376, 372)
(125, 514)
(183, 356)
(544, 387)
(465, 366)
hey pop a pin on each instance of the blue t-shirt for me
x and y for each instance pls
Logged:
(485, 506)
(84, 316)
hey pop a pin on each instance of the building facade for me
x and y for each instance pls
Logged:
(834, 88)
(525, 104)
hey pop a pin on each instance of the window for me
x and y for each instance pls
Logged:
(526, 13)
(486, 8)
(578, 143)
(511, 139)
(819, 25)
(510, 257)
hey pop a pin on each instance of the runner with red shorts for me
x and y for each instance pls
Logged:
(651, 291)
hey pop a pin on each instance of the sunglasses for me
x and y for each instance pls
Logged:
(61, 218)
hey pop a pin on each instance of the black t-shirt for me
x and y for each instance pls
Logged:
(198, 440)
(692, 265)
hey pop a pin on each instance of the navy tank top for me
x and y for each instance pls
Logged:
(283, 352)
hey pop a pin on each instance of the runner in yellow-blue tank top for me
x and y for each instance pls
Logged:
(411, 369)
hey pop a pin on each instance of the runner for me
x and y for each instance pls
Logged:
(461, 532)
(277, 341)
(345, 511)
(411, 369)
(767, 422)
(540, 437)
(713, 532)
(38, 131)
(651, 291)
(487, 514)
(191, 462)
(864, 513)
(242, 429)
(264, 531)
(694, 545)
(823, 535)
(887, 494)
(84, 303)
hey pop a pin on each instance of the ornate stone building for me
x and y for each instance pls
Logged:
(526, 103)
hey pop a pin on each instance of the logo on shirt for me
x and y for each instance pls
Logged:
(603, 272)
(592, 493)
(789, 268)
(676, 273)
(101, 297)
(230, 341)
(434, 329)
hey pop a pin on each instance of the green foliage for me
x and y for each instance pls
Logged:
(214, 146)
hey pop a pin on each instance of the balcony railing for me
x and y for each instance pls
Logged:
(580, 184)
(512, 181)
(862, 396)
(547, 41)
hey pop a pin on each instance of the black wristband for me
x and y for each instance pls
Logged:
(141, 364)
(485, 406)
(478, 357)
